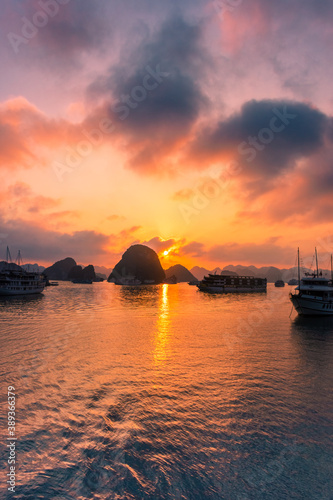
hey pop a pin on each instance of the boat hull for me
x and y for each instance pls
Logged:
(311, 307)
(7, 292)
(217, 289)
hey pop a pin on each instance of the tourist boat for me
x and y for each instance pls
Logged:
(14, 280)
(220, 283)
(279, 283)
(314, 294)
(293, 282)
(20, 282)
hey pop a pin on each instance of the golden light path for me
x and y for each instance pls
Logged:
(163, 325)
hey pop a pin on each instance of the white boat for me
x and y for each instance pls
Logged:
(314, 294)
(220, 283)
(14, 280)
(20, 282)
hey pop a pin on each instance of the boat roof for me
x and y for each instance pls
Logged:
(313, 279)
(236, 277)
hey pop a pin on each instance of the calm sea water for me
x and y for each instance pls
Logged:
(164, 392)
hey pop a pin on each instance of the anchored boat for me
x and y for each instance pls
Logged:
(314, 294)
(220, 283)
(14, 280)
(19, 282)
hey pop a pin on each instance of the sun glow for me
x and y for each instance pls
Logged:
(169, 251)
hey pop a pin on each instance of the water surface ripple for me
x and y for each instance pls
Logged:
(163, 392)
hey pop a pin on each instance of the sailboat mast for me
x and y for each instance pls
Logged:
(19, 258)
(317, 263)
(298, 268)
(8, 256)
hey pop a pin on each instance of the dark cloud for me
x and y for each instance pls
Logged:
(56, 33)
(154, 94)
(318, 175)
(48, 245)
(298, 9)
(266, 136)
(80, 28)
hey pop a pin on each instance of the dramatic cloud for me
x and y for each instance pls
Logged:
(155, 94)
(27, 136)
(227, 103)
(158, 244)
(267, 136)
(47, 245)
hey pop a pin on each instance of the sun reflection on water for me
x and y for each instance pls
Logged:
(162, 327)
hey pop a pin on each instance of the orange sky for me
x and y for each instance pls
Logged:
(202, 132)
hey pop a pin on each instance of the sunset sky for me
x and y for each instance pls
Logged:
(200, 128)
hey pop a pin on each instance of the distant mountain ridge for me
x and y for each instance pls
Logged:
(271, 273)
(33, 267)
(60, 271)
(200, 272)
(8, 266)
(102, 270)
(180, 272)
